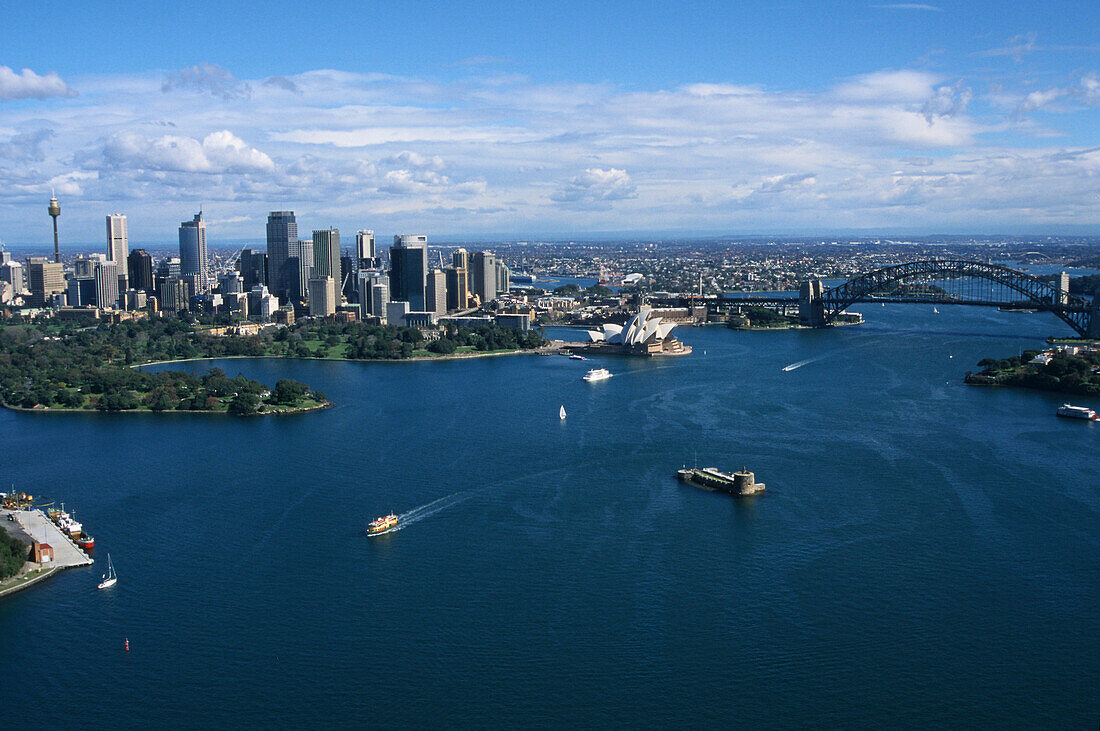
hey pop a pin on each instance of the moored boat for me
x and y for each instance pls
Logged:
(381, 525)
(86, 543)
(1077, 412)
(597, 374)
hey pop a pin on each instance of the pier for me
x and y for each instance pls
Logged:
(40, 529)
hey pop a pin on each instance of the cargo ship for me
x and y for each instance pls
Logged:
(381, 525)
(1077, 412)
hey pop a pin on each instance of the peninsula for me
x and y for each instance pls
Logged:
(51, 365)
(1072, 369)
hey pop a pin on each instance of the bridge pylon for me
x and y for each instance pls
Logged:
(811, 303)
(1093, 329)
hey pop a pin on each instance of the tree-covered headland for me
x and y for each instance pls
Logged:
(52, 364)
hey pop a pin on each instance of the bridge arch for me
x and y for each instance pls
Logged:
(1075, 311)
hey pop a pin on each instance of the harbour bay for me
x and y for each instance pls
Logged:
(925, 552)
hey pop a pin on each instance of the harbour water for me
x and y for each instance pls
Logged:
(926, 552)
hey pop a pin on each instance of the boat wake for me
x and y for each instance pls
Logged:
(799, 364)
(426, 511)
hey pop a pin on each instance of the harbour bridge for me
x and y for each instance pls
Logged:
(938, 282)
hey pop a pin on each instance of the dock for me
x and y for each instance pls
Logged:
(41, 529)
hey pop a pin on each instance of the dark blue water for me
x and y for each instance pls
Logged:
(926, 552)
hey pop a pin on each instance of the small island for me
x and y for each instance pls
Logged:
(1072, 369)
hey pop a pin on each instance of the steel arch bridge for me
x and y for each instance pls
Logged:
(1080, 314)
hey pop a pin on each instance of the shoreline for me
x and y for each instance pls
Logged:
(412, 359)
(18, 583)
(280, 412)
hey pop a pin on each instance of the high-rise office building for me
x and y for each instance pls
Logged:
(282, 240)
(408, 270)
(12, 273)
(118, 244)
(172, 294)
(193, 255)
(84, 266)
(504, 278)
(44, 280)
(365, 280)
(483, 276)
(436, 292)
(348, 269)
(322, 296)
(326, 253)
(458, 280)
(379, 297)
(230, 283)
(139, 268)
(365, 250)
(81, 292)
(300, 270)
(106, 284)
(252, 265)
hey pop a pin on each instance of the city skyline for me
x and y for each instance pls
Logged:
(909, 117)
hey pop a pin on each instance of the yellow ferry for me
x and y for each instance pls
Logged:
(381, 525)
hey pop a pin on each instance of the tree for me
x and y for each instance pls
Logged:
(245, 404)
(288, 391)
(443, 346)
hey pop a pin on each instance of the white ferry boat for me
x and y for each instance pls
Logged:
(1077, 412)
(597, 374)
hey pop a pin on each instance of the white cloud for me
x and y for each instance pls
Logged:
(29, 85)
(890, 86)
(596, 187)
(218, 152)
(476, 154)
(207, 78)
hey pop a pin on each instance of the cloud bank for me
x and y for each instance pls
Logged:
(892, 147)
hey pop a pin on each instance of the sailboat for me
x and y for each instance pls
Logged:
(109, 578)
(561, 412)
(935, 310)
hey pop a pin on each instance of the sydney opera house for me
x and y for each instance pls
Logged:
(643, 334)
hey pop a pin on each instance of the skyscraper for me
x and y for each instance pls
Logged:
(44, 280)
(458, 280)
(282, 240)
(326, 253)
(436, 294)
(253, 268)
(118, 244)
(139, 267)
(379, 297)
(366, 279)
(193, 259)
(106, 284)
(408, 270)
(365, 251)
(483, 276)
(322, 296)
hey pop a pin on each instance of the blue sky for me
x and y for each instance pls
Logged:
(551, 118)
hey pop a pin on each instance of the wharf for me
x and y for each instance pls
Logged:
(41, 529)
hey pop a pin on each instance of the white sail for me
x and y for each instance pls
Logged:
(561, 412)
